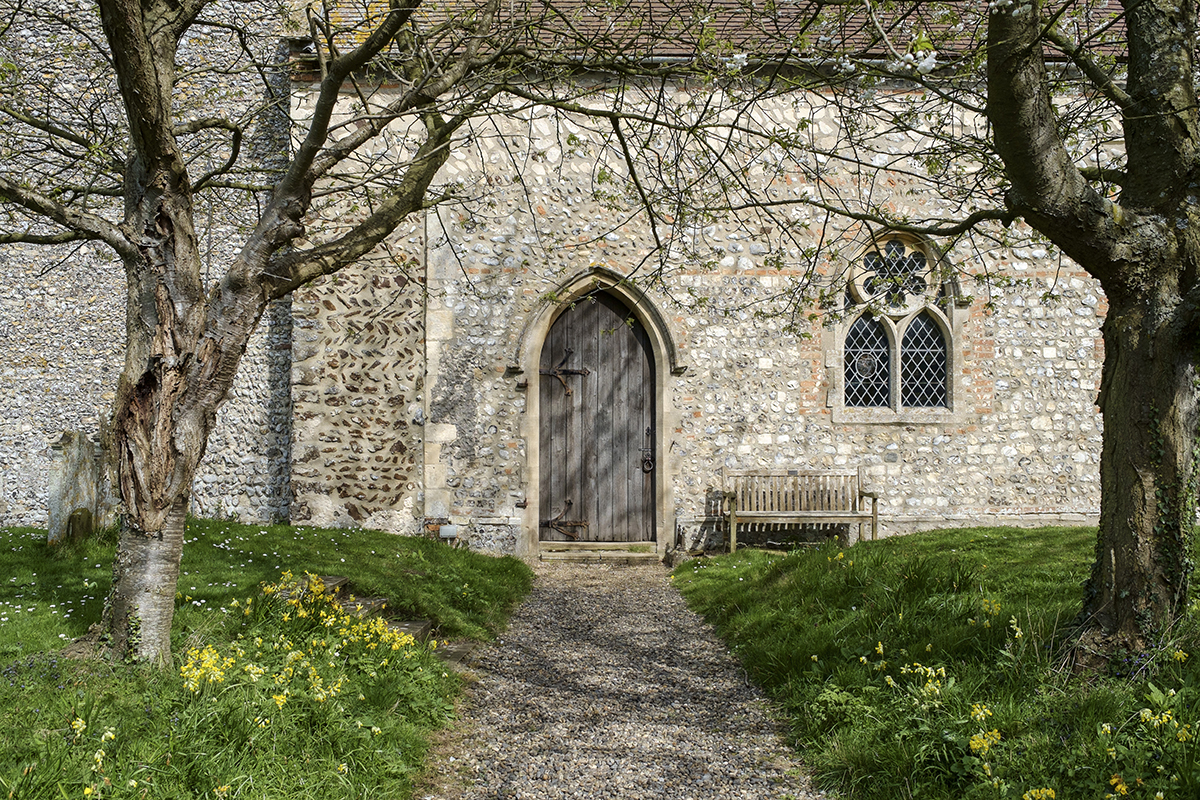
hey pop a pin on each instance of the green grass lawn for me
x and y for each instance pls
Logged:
(928, 666)
(268, 698)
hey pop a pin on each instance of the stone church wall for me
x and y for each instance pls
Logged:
(357, 378)
(1021, 443)
(62, 309)
(397, 394)
(62, 335)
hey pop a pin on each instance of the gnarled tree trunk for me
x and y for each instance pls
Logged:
(1145, 251)
(1140, 577)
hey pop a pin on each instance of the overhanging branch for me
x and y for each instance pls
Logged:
(54, 238)
(88, 225)
(1103, 82)
(286, 272)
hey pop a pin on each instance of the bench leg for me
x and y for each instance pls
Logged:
(733, 529)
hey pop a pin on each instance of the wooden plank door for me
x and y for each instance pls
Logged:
(597, 426)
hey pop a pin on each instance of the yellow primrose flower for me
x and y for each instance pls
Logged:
(982, 742)
(1038, 794)
(1179, 656)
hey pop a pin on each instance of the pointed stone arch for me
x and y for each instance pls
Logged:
(526, 363)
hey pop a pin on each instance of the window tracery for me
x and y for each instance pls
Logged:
(898, 349)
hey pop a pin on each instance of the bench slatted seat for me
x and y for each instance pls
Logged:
(798, 497)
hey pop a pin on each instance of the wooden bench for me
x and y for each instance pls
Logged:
(798, 497)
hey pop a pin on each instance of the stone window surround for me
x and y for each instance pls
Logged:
(948, 316)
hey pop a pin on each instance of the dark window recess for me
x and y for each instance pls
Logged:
(868, 364)
(895, 273)
(923, 365)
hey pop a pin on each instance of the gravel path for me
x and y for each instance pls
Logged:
(607, 686)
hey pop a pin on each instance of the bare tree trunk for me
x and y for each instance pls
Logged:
(145, 576)
(1139, 580)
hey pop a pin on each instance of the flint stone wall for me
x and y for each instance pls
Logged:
(394, 395)
(62, 309)
(1020, 444)
(62, 334)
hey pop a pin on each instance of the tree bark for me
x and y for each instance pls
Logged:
(1144, 252)
(1140, 577)
(145, 576)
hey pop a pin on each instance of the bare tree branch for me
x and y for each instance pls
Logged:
(89, 225)
(288, 271)
(1079, 55)
(56, 238)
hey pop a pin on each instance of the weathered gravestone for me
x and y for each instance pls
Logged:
(75, 488)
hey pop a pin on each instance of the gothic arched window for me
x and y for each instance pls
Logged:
(902, 330)
(868, 364)
(923, 364)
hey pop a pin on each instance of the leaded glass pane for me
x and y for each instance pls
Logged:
(868, 364)
(923, 365)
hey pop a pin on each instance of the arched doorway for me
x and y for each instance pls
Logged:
(597, 426)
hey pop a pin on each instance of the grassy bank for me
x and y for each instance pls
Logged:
(927, 666)
(274, 693)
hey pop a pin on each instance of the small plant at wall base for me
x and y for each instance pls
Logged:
(929, 666)
(277, 692)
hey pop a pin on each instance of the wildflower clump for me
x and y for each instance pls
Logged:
(1038, 794)
(932, 686)
(290, 659)
(204, 666)
(983, 741)
(303, 638)
(78, 725)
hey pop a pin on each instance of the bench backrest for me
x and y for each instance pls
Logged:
(795, 489)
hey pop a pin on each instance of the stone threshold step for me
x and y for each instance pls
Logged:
(599, 557)
(628, 547)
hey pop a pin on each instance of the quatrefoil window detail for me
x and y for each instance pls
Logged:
(895, 277)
